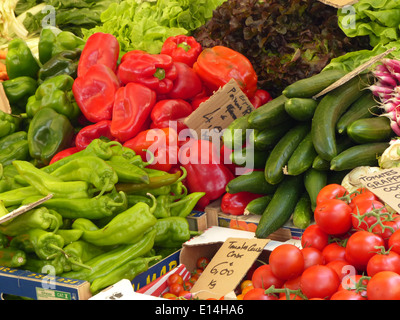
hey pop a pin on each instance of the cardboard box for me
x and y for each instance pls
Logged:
(216, 217)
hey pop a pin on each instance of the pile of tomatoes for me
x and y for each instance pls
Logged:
(352, 252)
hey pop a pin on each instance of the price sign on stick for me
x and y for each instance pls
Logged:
(228, 267)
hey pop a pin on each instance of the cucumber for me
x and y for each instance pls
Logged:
(343, 143)
(314, 181)
(302, 214)
(269, 115)
(249, 157)
(282, 152)
(308, 87)
(266, 139)
(302, 157)
(257, 206)
(253, 182)
(281, 206)
(376, 129)
(234, 135)
(359, 155)
(329, 110)
(301, 109)
(361, 108)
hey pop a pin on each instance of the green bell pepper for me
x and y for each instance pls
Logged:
(17, 151)
(53, 41)
(20, 60)
(55, 93)
(18, 90)
(8, 123)
(65, 62)
(49, 132)
(171, 232)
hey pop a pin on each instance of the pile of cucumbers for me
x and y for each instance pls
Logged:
(304, 143)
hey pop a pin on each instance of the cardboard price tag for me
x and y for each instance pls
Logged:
(386, 185)
(228, 267)
(4, 103)
(339, 3)
(217, 113)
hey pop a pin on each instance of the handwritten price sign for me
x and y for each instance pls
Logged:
(228, 266)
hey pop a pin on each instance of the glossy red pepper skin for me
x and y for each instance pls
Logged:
(182, 48)
(216, 66)
(93, 131)
(156, 71)
(64, 153)
(168, 110)
(94, 92)
(205, 170)
(187, 84)
(132, 106)
(100, 48)
(235, 204)
(260, 98)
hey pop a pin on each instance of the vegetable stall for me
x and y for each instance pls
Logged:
(100, 171)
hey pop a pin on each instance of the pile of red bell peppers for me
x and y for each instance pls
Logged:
(132, 98)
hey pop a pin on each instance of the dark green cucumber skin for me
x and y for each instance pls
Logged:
(282, 152)
(308, 87)
(303, 157)
(314, 181)
(375, 129)
(328, 111)
(359, 155)
(253, 182)
(259, 158)
(342, 144)
(231, 137)
(362, 108)
(257, 206)
(281, 206)
(301, 109)
(302, 214)
(269, 115)
(267, 138)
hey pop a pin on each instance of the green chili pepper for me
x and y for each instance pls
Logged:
(55, 93)
(47, 184)
(17, 151)
(18, 90)
(70, 235)
(20, 60)
(164, 204)
(126, 227)
(9, 123)
(53, 41)
(16, 196)
(134, 199)
(171, 232)
(108, 261)
(128, 172)
(185, 206)
(81, 251)
(12, 257)
(56, 265)
(35, 218)
(127, 271)
(4, 241)
(65, 62)
(91, 169)
(49, 132)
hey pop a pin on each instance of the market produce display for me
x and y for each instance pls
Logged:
(92, 115)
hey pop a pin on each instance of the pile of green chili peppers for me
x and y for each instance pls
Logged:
(94, 227)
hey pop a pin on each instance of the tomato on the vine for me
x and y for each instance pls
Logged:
(264, 278)
(333, 216)
(331, 191)
(312, 257)
(258, 294)
(174, 278)
(333, 251)
(384, 285)
(176, 288)
(347, 295)
(202, 262)
(341, 267)
(362, 208)
(354, 282)
(319, 281)
(286, 261)
(386, 261)
(389, 225)
(314, 237)
(394, 242)
(363, 195)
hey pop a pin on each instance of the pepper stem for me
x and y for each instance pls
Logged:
(151, 158)
(57, 248)
(57, 223)
(154, 206)
(78, 264)
(184, 45)
(159, 74)
(177, 203)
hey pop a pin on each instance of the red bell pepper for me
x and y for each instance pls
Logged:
(100, 48)
(205, 172)
(170, 110)
(260, 98)
(235, 204)
(187, 84)
(161, 142)
(197, 101)
(182, 49)
(132, 106)
(156, 71)
(94, 92)
(93, 131)
(64, 153)
(216, 66)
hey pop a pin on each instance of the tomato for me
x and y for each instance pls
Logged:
(176, 288)
(258, 294)
(247, 289)
(264, 278)
(312, 257)
(187, 285)
(361, 246)
(353, 282)
(197, 272)
(333, 216)
(185, 294)
(202, 262)
(363, 196)
(292, 284)
(292, 296)
(388, 261)
(389, 226)
(384, 285)
(333, 251)
(347, 295)
(394, 242)
(331, 191)
(286, 261)
(319, 281)
(341, 267)
(314, 237)
(174, 278)
(362, 208)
